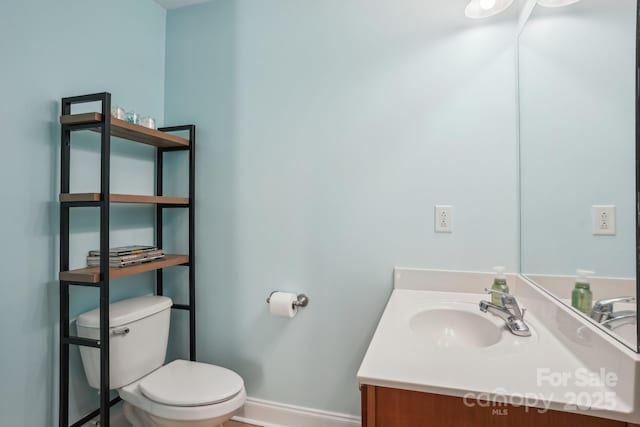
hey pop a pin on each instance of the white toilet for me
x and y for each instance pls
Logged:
(179, 394)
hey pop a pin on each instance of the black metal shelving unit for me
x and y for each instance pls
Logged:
(165, 142)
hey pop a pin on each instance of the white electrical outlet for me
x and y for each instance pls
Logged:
(443, 219)
(603, 218)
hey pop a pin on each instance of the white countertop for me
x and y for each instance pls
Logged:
(399, 357)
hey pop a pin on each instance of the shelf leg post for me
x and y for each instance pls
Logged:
(105, 154)
(63, 415)
(192, 251)
(65, 165)
(159, 214)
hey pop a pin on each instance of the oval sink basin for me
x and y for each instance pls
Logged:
(450, 328)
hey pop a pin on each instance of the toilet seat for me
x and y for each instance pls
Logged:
(186, 410)
(183, 383)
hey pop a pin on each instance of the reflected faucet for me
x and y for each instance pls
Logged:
(626, 317)
(603, 313)
(509, 311)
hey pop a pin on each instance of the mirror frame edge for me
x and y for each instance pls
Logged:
(637, 168)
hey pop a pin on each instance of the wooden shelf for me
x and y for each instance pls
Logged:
(92, 274)
(130, 131)
(124, 198)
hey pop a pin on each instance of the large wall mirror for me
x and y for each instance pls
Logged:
(577, 91)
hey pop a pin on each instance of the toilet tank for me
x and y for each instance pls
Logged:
(138, 331)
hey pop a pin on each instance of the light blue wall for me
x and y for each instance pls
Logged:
(327, 132)
(50, 50)
(577, 106)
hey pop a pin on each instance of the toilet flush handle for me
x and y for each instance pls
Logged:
(120, 331)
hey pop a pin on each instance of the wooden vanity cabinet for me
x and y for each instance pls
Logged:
(389, 407)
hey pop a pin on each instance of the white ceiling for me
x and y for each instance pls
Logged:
(173, 4)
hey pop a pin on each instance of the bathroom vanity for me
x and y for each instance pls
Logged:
(437, 359)
(391, 407)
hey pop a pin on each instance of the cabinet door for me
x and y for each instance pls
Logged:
(387, 407)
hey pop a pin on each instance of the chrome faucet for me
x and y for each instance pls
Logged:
(625, 317)
(509, 311)
(603, 313)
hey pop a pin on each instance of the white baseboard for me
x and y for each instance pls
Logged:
(267, 414)
(272, 414)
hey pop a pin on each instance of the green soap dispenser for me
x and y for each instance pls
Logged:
(499, 284)
(582, 297)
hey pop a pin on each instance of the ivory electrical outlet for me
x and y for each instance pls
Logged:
(603, 219)
(444, 219)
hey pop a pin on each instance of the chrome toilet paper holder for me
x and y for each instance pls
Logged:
(301, 301)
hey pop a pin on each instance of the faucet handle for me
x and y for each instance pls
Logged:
(493, 291)
(607, 304)
(508, 301)
(603, 308)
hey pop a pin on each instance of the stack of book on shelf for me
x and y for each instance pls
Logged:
(126, 256)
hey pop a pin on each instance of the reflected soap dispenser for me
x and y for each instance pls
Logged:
(582, 297)
(500, 285)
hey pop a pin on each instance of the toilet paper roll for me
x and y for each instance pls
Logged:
(281, 304)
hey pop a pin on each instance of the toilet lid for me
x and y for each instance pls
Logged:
(184, 383)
